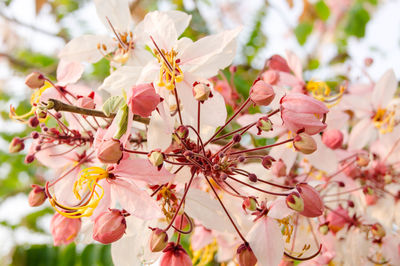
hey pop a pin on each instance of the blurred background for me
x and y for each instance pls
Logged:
(333, 38)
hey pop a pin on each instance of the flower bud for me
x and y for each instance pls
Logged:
(109, 226)
(304, 143)
(313, 204)
(63, 229)
(175, 255)
(109, 151)
(264, 124)
(144, 99)
(362, 160)
(324, 229)
(271, 77)
(37, 196)
(267, 161)
(34, 80)
(277, 62)
(332, 138)
(337, 219)
(250, 204)
(86, 102)
(279, 168)
(158, 240)
(156, 158)
(261, 93)
(377, 230)
(16, 145)
(182, 132)
(29, 158)
(33, 121)
(295, 202)
(201, 92)
(246, 256)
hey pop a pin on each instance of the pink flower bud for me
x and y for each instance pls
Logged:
(313, 204)
(295, 202)
(299, 111)
(332, 138)
(86, 102)
(337, 219)
(37, 196)
(246, 256)
(279, 168)
(277, 62)
(109, 151)
(201, 92)
(34, 80)
(16, 145)
(144, 99)
(304, 143)
(175, 255)
(262, 93)
(109, 226)
(182, 132)
(158, 240)
(264, 124)
(63, 229)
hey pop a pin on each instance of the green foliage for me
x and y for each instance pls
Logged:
(101, 69)
(322, 10)
(43, 255)
(357, 21)
(302, 31)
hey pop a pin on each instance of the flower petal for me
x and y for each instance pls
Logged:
(117, 11)
(68, 72)
(384, 90)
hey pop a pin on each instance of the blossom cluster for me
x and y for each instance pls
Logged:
(159, 159)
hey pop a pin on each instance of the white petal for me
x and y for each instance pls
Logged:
(295, 64)
(279, 209)
(123, 79)
(384, 90)
(266, 241)
(200, 206)
(210, 54)
(117, 11)
(159, 133)
(84, 48)
(362, 134)
(323, 158)
(68, 72)
(181, 20)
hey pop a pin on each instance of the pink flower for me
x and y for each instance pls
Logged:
(109, 226)
(313, 204)
(144, 99)
(300, 111)
(337, 219)
(261, 93)
(332, 138)
(277, 62)
(175, 255)
(63, 229)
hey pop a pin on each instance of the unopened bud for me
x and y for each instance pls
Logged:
(29, 158)
(279, 168)
(33, 122)
(261, 93)
(37, 196)
(34, 80)
(295, 202)
(332, 138)
(182, 132)
(109, 226)
(313, 204)
(250, 204)
(323, 229)
(304, 143)
(246, 256)
(158, 240)
(362, 160)
(264, 124)
(156, 158)
(109, 151)
(377, 230)
(201, 92)
(16, 145)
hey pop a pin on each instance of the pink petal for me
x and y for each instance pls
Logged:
(68, 72)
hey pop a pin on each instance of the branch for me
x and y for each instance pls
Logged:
(60, 106)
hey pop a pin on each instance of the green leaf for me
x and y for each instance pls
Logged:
(101, 69)
(122, 119)
(313, 64)
(322, 10)
(112, 105)
(357, 21)
(302, 31)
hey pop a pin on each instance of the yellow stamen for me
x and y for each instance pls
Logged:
(384, 120)
(170, 72)
(321, 91)
(205, 255)
(88, 184)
